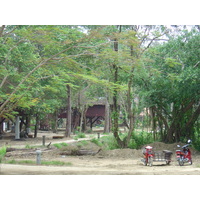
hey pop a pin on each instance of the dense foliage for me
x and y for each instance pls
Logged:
(153, 70)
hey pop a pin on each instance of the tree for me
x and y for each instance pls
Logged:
(173, 86)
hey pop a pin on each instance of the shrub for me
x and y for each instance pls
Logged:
(81, 135)
(132, 144)
(109, 142)
(97, 142)
(76, 138)
(140, 139)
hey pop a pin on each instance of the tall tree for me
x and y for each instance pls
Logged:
(173, 85)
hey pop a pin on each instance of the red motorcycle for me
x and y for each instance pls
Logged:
(184, 155)
(148, 156)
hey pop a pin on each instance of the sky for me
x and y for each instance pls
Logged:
(106, 12)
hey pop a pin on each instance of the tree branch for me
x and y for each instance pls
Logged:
(196, 64)
(11, 30)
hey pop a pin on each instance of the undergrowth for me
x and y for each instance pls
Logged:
(139, 139)
(108, 142)
(136, 142)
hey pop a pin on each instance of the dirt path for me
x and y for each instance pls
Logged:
(98, 166)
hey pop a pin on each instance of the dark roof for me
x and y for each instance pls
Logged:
(96, 111)
(92, 111)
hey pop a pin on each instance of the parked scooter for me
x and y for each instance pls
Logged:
(184, 155)
(148, 156)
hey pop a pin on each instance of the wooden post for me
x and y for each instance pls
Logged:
(98, 134)
(38, 157)
(43, 140)
(17, 134)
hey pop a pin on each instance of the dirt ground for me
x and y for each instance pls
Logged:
(106, 162)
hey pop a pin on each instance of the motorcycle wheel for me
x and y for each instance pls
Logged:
(168, 162)
(180, 162)
(144, 161)
(150, 161)
(190, 162)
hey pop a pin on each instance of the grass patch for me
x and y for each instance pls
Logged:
(137, 140)
(75, 137)
(53, 162)
(108, 142)
(80, 135)
(2, 153)
(20, 162)
(97, 142)
(82, 143)
(57, 163)
(60, 145)
(64, 144)
(28, 147)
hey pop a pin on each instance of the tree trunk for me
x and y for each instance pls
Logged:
(107, 117)
(130, 110)
(115, 114)
(1, 125)
(28, 124)
(188, 129)
(55, 122)
(153, 122)
(83, 119)
(68, 125)
(36, 125)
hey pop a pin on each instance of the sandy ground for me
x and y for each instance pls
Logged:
(89, 166)
(112, 162)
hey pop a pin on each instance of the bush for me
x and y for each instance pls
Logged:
(140, 139)
(97, 142)
(132, 144)
(109, 142)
